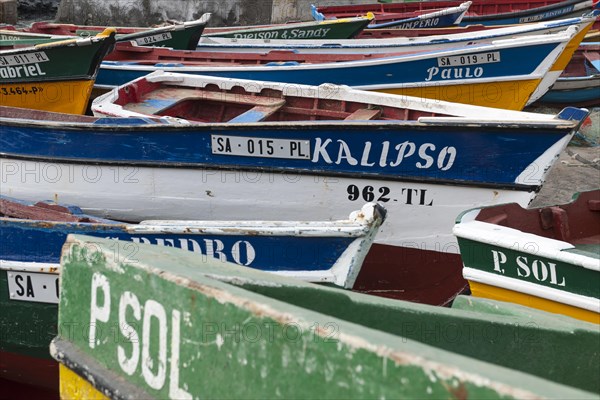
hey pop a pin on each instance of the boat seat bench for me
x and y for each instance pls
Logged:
(363, 114)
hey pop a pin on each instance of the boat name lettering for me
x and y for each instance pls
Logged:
(161, 37)
(33, 287)
(454, 73)
(305, 34)
(9, 37)
(285, 34)
(421, 23)
(21, 71)
(214, 248)
(469, 59)
(260, 147)
(425, 155)
(156, 327)
(547, 15)
(23, 59)
(382, 194)
(537, 269)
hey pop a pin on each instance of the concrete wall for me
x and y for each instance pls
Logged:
(8, 12)
(225, 12)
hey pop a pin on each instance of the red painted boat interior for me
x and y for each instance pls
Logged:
(580, 64)
(210, 105)
(144, 55)
(577, 222)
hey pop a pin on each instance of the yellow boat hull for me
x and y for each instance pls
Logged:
(74, 387)
(69, 97)
(497, 293)
(567, 54)
(510, 95)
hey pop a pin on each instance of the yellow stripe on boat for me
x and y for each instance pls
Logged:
(497, 293)
(510, 95)
(74, 387)
(69, 97)
(561, 62)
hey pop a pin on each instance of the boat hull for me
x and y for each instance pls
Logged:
(498, 293)
(169, 193)
(71, 97)
(508, 95)
(498, 74)
(499, 12)
(28, 327)
(545, 258)
(45, 77)
(242, 321)
(340, 29)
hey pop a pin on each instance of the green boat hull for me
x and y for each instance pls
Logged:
(168, 325)
(56, 76)
(183, 36)
(547, 258)
(340, 29)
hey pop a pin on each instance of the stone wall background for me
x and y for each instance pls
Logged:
(151, 12)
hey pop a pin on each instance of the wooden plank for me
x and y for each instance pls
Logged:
(364, 114)
(256, 114)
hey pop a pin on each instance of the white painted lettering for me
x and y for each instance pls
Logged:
(499, 258)
(153, 309)
(426, 157)
(403, 152)
(345, 154)
(129, 300)
(175, 392)
(522, 265)
(97, 312)
(321, 150)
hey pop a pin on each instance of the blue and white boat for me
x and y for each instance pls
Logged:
(193, 147)
(504, 74)
(393, 44)
(316, 251)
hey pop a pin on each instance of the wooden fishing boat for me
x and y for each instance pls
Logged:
(579, 84)
(32, 235)
(345, 28)
(11, 38)
(494, 74)
(411, 45)
(547, 258)
(395, 44)
(497, 12)
(426, 18)
(206, 148)
(181, 328)
(45, 76)
(183, 36)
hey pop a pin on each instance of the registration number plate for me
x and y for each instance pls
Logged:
(31, 286)
(471, 59)
(161, 37)
(260, 147)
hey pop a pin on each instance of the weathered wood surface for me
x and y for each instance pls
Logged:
(158, 323)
